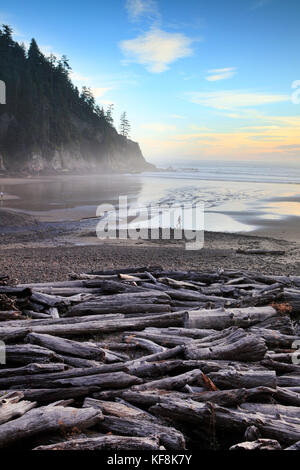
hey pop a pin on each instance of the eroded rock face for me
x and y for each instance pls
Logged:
(94, 149)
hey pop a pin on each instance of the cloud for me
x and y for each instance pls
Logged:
(259, 4)
(260, 128)
(77, 77)
(98, 92)
(177, 116)
(138, 9)
(156, 49)
(200, 128)
(221, 74)
(158, 127)
(227, 145)
(232, 99)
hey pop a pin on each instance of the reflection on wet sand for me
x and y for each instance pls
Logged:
(232, 206)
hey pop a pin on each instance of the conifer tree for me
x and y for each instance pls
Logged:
(124, 125)
(108, 116)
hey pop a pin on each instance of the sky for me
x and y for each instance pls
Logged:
(199, 80)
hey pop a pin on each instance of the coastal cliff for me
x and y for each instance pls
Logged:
(47, 124)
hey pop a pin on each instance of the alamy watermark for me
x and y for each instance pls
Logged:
(296, 93)
(296, 355)
(152, 222)
(2, 353)
(2, 92)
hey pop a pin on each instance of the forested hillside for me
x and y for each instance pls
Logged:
(47, 124)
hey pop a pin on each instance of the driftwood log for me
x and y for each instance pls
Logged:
(146, 358)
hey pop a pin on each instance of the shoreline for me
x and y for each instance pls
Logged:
(50, 252)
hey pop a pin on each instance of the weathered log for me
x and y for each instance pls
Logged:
(260, 444)
(114, 379)
(15, 291)
(47, 380)
(217, 365)
(120, 409)
(295, 446)
(106, 443)
(227, 419)
(169, 437)
(287, 397)
(128, 302)
(143, 343)
(78, 362)
(11, 406)
(49, 300)
(68, 291)
(227, 379)
(28, 353)
(152, 369)
(291, 380)
(177, 284)
(111, 357)
(170, 383)
(194, 333)
(90, 308)
(161, 339)
(66, 346)
(237, 344)
(280, 367)
(116, 346)
(292, 297)
(185, 295)
(286, 358)
(274, 410)
(220, 319)
(281, 323)
(129, 270)
(221, 397)
(160, 356)
(58, 321)
(10, 315)
(13, 335)
(35, 315)
(109, 326)
(274, 339)
(47, 419)
(31, 369)
(43, 396)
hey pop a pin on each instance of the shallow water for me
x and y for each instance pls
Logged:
(236, 198)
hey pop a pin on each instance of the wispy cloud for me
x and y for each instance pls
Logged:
(177, 116)
(158, 127)
(221, 74)
(156, 49)
(138, 9)
(260, 4)
(260, 128)
(232, 99)
(98, 92)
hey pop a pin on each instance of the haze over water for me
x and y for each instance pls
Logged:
(237, 197)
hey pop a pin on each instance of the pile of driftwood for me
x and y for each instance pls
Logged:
(143, 358)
